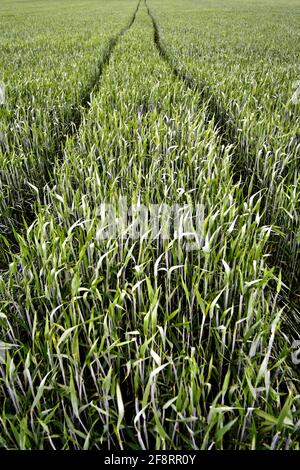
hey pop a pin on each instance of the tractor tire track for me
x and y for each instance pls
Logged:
(227, 133)
(85, 103)
(250, 184)
(66, 131)
(95, 84)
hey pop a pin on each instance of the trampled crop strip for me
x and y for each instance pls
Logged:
(226, 131)
(104, 62)
(228, 136)
(72, 125)
(76, 120)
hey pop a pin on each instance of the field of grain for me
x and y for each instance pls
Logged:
(176, 326)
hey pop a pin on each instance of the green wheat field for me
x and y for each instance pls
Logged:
(123, 342)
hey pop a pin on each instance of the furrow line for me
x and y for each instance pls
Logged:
(28, 213)
(250, 184)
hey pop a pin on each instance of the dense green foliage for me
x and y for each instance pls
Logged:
(139, 343)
